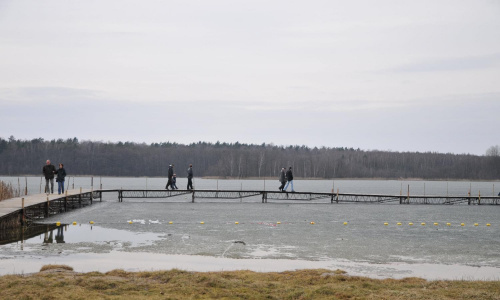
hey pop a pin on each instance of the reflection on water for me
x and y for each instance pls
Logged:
(45, 234)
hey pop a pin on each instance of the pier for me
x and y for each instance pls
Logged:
(22, 210)
(276, 196)
(18, 211)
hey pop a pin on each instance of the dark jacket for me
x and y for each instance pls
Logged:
(61, 174)
(170, 172)
(282, 177)
(289, 175)
(190, 173)
(49, 171)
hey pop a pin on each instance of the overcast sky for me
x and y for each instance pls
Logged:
(387, 75)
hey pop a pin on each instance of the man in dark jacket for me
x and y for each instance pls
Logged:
(170, 175)
(282, 179)
(289, 177)
(49, 171)
(190, 177)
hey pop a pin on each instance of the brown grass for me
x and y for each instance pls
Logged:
(6, 191)
(54, 267)
(176, 284)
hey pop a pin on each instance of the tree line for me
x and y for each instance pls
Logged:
(237, 160)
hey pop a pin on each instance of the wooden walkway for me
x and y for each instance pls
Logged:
(306, 196)
(17, 211)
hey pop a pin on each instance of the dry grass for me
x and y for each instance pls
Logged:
(176, 284)
(6, 191)
(56, 267)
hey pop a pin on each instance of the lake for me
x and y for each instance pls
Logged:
(210, 235)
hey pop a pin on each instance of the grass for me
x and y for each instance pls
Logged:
(176, 284)
(6, 191)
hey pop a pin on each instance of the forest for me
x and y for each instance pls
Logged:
(237, 160)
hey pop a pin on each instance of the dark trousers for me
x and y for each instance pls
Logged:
(169, 183)
(282, 185)
(190, 183)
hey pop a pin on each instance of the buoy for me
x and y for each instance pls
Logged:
(488, 224)
(411, 224)
(58, 223)
(423, 224)
(91, 222)
(475, 224)
(74, 223)
(170, 222)
(312, 223)
(462, 224)
(202, 222)
(448, 224)
(278, 222)
(399, 224)
(386, 223)
(436, 224)
(130, 222)
(236, 223)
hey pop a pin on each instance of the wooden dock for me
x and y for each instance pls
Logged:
(21, 210)
(277, 196)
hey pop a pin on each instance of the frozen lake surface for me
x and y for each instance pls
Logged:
(272, 236)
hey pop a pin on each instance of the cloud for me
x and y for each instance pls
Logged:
(452, 64)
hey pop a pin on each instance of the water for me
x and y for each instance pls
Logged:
(364, 246)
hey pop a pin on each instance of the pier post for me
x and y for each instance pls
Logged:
(263, 195)
(46, 215)
(26, 186)
(479, 198)
(192, 197)
(337, 195)
(468, 202)
(23, 220)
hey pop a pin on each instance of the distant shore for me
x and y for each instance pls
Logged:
(271, 178)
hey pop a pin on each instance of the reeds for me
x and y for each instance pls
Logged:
(7, 191)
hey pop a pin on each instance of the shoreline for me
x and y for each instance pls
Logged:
(144, 261)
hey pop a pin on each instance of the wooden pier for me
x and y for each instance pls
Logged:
(276, 196)
(21, 210)
(18, 211)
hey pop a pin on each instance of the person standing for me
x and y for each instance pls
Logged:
(289, 177)
(190, 177)
(49, 171)
(282, 178)
(170, 175)
(61, 175)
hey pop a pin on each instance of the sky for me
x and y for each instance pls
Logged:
(376, 75)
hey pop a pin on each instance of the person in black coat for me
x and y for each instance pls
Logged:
(190, 177)
(61, 175)
(48, 171)
(289, 177)
(170, 175)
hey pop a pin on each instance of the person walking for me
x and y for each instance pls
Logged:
(170, 175)
(190, 177)
(289, 177)
(48, 171)
(174, 182)
(282, 179)
(61, 175)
